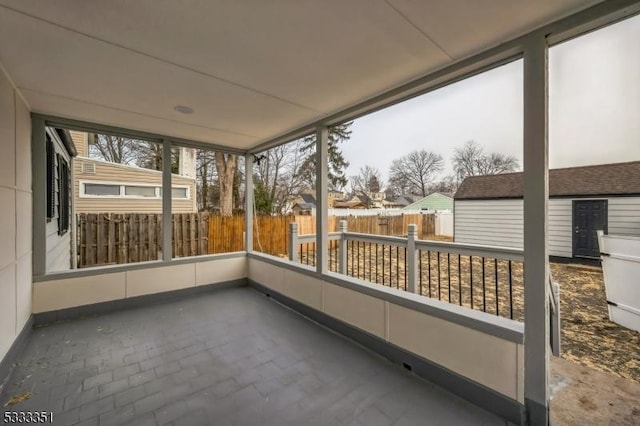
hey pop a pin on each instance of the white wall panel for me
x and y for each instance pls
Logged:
(157, 280)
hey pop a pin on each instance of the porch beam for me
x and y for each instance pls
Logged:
(91, 127)
(248, 203)
(39, 198)
(167, 227)
(322, 181)
(536, 271)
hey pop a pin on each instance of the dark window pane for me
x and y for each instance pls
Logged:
(100, 189)
(140, 191)
(179, 193)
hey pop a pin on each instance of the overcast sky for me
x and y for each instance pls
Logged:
(594, 109)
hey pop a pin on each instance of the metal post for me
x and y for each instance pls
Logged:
(248, 203)
(342, 248)
(412, 264)
(322, 219)
(167, 224)
(293, 241)
(39, 176)
(536, 271)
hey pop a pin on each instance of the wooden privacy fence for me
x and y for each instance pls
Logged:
(109, 238)
(271, 233)
(116, 238)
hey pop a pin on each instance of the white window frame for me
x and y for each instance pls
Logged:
(122, 185)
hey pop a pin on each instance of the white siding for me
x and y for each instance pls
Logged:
(15, 214)
(58, 246)
(489, 222)
(624, 215)
(560, 224)
(499, 222)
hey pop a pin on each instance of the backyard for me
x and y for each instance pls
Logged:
(588, 337)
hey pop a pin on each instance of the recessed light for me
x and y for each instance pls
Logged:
(183, 109)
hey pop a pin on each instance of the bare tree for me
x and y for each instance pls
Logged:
(226, 165)
(368, 179)
(114, 149)
(278, 176)
(470, 160)
(416, 171)
(131, 152)
(448, 184)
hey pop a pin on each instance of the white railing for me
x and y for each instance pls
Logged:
(486, 278)
(480, 277)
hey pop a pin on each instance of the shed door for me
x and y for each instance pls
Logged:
(589, 216)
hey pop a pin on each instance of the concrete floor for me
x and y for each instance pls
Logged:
(231, 356)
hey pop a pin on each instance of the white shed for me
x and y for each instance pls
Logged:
(582, 200)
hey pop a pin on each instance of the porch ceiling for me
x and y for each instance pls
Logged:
(251, 70)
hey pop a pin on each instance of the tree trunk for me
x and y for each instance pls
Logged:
(226, 166)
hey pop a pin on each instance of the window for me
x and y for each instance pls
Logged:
(51, 179)
(63, 196)
(101, 190)
(179, 193)
(94, 189)
(140, 191)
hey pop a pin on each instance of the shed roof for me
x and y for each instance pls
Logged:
(603, 179)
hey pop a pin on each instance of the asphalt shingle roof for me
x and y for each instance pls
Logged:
(603, 179)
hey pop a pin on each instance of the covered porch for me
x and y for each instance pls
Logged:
(246, 337)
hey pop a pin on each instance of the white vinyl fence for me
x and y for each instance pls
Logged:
(444, 224)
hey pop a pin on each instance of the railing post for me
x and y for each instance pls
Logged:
(342, 249)
(412, 264)
(293, 241)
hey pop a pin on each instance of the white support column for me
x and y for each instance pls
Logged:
(39, 173)
(322, 220)
(413, 285)
(342, 248)
(248, 203)
(293, 242)
(536, 265)
(167, 225)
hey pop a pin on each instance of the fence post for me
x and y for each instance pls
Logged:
(342, 249)
(293, 241)
(412, 284)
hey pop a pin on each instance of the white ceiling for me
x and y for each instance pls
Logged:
(251, 69)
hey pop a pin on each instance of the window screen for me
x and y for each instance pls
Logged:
(140, 191)
(101, 189)
(178, 192)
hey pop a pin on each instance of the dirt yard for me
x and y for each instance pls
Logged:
(588, 337)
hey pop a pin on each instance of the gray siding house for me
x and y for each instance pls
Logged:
(582, 200)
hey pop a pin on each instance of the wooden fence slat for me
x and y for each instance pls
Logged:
(110, 238)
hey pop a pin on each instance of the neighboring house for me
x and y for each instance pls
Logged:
(351, 204)
(435, 201)
(307, 209)
(107, 187)
(305, 201)
(59, 232)
(489, 209)
(399, 202)
(334, 196)
(304, 204)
